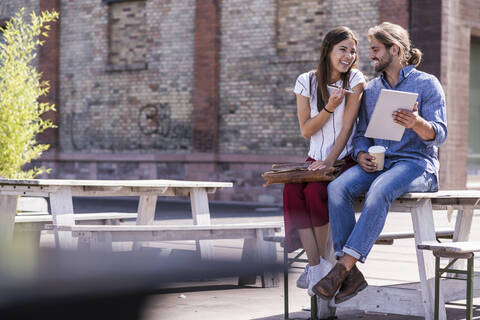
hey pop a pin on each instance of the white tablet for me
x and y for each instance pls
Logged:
(381, 125)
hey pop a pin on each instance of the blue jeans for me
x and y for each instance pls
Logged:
(382, 187)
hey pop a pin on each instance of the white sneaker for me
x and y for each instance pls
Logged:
(316, 273)
(302, 281)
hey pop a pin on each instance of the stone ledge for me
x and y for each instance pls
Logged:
(158, 157)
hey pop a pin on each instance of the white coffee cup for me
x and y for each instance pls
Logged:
(379, 153)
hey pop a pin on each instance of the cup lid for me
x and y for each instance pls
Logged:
(376, 149)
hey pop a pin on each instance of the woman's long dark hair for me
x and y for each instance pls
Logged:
(333, 37)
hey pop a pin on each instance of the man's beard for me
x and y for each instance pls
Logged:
(381, 66)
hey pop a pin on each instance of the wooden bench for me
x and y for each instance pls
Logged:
(386, 238)
(417, 299)
(255, 248)
(455, 251)
(61, 192)
(32, 217)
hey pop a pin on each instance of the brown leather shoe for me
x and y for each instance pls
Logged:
(327, 287)
(353, 284)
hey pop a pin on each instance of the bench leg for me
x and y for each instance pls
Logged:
(8, 209)
(259, 251)
(285, 282)
(463, 225)
(470, 279)
(201, 216)
(268, 255)
(146, 214)
(437, 286)
(62, 212)
(424, 230)
(249, 254)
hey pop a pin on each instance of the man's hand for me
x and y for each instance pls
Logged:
(364, 159)
(411, 119)
(406, 118)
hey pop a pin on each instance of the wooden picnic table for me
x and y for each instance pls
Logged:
(419, 300)
(60, 193)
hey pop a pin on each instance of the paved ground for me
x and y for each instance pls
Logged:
(222, 299)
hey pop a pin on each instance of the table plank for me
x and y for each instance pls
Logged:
(187, 227)
(454, 247)
(442, 194)
(116, 183)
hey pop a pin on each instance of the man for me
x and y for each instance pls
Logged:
(410, 164)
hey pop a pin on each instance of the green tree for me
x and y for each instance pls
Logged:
(20, 88)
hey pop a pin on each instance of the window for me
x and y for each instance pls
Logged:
(127, 35)
(474, 109)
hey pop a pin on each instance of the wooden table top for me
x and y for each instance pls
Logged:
(115, 183)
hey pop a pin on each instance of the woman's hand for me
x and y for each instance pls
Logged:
(335, 99)
(319, 164)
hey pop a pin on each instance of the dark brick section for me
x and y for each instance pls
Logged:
(427, 36)
(205, 69)
(48, 65)
(396, 11)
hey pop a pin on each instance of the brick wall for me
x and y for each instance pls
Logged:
(149, 111)
(142, 122)
(359, 15)
(9, 7)
(396, 11)
(257, 106)
(126, 110)
(300, 27)
(259, 67)
(458, 20)
(427, 36)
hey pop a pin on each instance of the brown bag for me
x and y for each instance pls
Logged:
(299, 173)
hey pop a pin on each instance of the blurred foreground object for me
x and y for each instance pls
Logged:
(54, 284)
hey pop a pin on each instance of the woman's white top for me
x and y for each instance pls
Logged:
(321, 143)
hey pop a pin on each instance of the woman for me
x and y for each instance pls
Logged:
(327, 117)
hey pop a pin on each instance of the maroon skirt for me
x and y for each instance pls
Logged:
(305, 205)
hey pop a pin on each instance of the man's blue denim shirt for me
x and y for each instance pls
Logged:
(431, 107)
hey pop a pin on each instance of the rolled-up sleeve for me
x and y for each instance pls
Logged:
(360, 142)
(433, 110)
